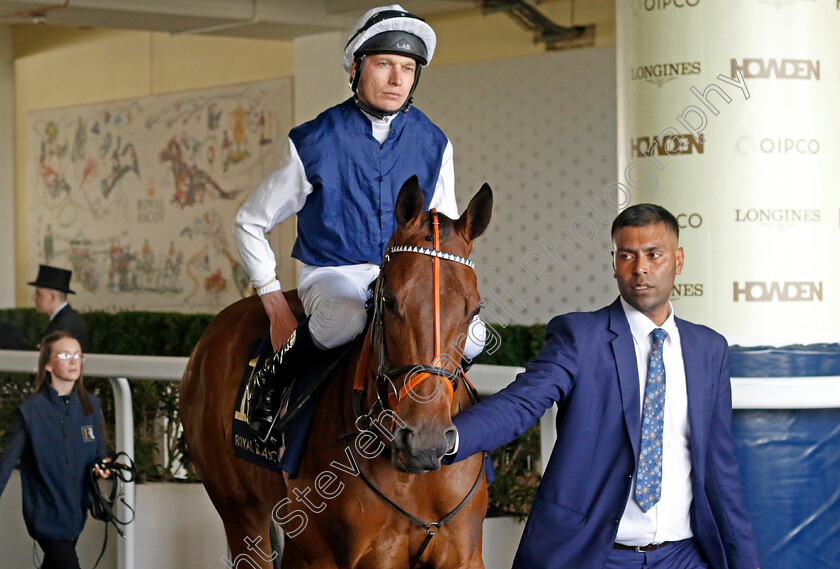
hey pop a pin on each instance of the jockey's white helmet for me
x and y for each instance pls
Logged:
(390, 29)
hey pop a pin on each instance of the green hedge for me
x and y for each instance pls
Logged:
(174, 334)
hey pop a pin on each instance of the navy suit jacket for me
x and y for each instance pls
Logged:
(69, 320)
(588, 367)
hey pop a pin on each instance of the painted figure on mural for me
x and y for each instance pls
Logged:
(225, 150)
(123, 160)
(330, 179)
(49, 245)
(48, 162)
(79, 142)
(214, 113)
(236, 150)
(191, 183)
(264, 140)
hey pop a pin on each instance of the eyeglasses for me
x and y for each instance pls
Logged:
(66, 356)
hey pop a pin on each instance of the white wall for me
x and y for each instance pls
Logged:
(7, 187)
(541, 130)
(320, 80)
(177, 528)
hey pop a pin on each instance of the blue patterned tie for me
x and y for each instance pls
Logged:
(649, 473)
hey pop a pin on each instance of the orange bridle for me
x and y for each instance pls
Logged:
(416, 379)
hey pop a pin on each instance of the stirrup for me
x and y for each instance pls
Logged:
(267, 434)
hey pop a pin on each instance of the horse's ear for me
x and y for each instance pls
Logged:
(409, 202)
(475, 219)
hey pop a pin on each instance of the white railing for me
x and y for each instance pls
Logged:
(818, 392)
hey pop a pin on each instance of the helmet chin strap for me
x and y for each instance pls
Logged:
(379, 113)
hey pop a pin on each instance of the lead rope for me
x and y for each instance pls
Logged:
(102, 506)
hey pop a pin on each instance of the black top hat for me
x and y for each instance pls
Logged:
(54, 278)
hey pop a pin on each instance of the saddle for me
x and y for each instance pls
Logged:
(283, 450)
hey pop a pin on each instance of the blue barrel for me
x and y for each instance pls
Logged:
(790, 462)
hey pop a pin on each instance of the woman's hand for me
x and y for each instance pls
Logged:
(103, 472)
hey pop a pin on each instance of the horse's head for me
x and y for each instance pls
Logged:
(426, 298)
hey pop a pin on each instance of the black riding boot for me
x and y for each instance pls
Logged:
(265, 389)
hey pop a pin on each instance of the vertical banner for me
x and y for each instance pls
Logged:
(727, 117)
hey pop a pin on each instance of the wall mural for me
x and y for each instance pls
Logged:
(138, 197)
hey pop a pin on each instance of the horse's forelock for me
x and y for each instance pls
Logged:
(421, 233)
(445, 225)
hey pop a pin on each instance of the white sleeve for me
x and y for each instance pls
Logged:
(279, 197)
(444, 197)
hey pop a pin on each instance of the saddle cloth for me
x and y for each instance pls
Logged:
(246, 444)
(287, 459)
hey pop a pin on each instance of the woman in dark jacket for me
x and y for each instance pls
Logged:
(58, 435)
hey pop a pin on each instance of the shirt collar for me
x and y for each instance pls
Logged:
(59, 309)
(377, 122)
(641, 326)
(52, 394)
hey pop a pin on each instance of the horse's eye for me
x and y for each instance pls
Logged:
(475, 313)
(389, 303)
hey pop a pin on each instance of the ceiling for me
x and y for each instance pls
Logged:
(263, 19)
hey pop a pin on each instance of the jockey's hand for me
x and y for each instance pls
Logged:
(283, 322)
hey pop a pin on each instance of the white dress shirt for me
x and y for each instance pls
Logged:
(669, 519)
(283, 193)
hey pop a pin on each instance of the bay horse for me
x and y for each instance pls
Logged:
(371, 491)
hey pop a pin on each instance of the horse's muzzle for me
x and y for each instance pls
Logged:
(417, 451)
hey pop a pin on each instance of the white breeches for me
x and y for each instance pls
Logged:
(334, 299)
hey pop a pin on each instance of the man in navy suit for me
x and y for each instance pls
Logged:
(51, 289)
(594, 365)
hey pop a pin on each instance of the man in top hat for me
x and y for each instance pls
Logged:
(51, 289)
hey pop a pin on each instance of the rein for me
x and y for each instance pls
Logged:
(432, 528)
(426, 371)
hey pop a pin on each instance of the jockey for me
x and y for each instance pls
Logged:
(341, 174)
